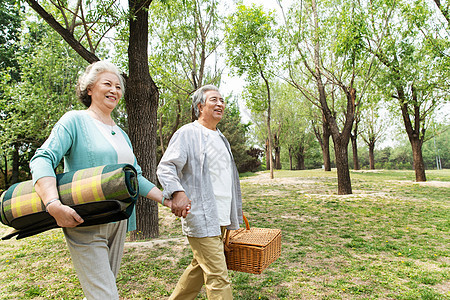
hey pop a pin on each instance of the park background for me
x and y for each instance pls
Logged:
(349, 98)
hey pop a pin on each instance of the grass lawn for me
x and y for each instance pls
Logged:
(390, 239)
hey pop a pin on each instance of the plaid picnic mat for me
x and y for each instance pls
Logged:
(77, 189)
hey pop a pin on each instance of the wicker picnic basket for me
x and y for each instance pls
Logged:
(251, 250)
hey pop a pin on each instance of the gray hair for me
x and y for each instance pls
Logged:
(199, 97)
(90, 76)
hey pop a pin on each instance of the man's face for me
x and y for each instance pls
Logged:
(214, 107)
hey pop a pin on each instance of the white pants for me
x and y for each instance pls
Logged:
(96, 253)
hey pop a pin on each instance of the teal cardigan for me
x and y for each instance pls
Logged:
(75, 138)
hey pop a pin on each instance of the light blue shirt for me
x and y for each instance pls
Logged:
(76, 138)
(184, 167)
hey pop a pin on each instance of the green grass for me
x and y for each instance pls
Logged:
(390, 239)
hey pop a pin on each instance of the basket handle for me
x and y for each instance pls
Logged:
(247, 226)
(227, 233)
(226, 240)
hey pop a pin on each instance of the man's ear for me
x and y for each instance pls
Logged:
(199, 106)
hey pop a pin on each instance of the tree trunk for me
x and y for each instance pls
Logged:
(277, 158)
(300, 156)
(300, 162)
(5, 173)
(268, 155)
(419, 165)
(445, 12)
(161, 139)
(326, 147)
(343, 173)
(323, 137)
(340, 140)
(142, 105)
(354, 139)
(277, 153)
(290, 158)
(371, 156)
(415, 133)
(269, 131)
(355, 152)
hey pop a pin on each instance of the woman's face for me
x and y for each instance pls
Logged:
(106, 91)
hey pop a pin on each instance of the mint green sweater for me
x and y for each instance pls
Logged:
(75, 138)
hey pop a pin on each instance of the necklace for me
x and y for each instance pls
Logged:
(98, 116)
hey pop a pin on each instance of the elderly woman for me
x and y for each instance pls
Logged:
(85, 139)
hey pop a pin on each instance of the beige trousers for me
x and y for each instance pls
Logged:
(207, 267)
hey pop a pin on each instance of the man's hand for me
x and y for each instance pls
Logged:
(181, 204)
(64, 215)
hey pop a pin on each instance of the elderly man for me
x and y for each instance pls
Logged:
(198, 166)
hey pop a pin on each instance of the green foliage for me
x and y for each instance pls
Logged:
(10, 25)
(30, 107)
(255, 96)
(415, 70)
(351, 32)
(399, 156)
(249, 34)
(184, 35)
(438, 147)
(290, 123)
(184, 38)
(185, 52)
(236, 134)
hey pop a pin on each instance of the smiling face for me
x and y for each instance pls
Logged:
(105, 92)
(212, 111)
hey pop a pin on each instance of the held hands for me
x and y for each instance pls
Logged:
(180, 204)
(64, 215)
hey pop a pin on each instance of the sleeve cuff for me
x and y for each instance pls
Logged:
(144, 186)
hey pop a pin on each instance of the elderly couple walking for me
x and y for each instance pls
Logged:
(197, 172)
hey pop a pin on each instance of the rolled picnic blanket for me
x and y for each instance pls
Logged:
(99, 195)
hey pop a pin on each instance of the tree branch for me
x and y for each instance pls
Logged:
(64, 33)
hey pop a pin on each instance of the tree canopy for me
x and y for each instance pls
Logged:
(309, 71)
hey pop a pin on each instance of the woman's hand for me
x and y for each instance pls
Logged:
(169, 203)
(64, 215)
(180, 204)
